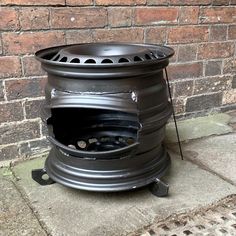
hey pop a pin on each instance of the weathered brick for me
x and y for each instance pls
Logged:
(32, 108)
(22, 88)
(79, 3)
(173, 59)
(31, 66)
(179, 105)
(78, 17)
(189, 15)
(32, 148)
(183, 88)
(1, 45)
(11, 112)
(10, 66)
(232, 32)
(155, 15)
(187, 53)
(215, 50)
(188, 34)
(190, 2)
(203, 102)
(119, 2)
(34, 18)
(123, 35)
(218, 15)
(8, 19)
(220, 2)
(33, 2)
(218, 33)
(233, 2)
(158, 2)
(234, 82)
(212, 84)
(229, 66)
(229, 97)
(213, 68)
(12, 133)
(188, 70)
(29, 42)
(155, 35)
(79, 36)
(9, 152)
(1, 91)
(119, 16)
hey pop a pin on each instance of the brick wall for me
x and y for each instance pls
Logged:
(202, 32)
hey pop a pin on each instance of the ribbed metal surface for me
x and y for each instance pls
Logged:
(106, 121)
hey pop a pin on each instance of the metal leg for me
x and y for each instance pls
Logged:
(159, 188)
(41, 177)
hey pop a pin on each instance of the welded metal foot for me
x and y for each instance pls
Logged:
(41, 177)
(159, 188)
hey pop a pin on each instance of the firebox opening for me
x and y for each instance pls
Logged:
(94, 129)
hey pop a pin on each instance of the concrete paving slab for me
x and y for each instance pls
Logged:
(16, 218)
(66, 211)
(199, 127)
(217, 153)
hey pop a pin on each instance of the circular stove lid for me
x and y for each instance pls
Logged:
(107, 53)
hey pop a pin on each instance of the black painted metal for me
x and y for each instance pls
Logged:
(106, 107)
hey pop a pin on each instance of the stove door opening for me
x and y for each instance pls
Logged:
(94, 130)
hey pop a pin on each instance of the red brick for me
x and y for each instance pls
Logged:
(220, 2)
(12, 133)
(155, 15)
(188, 34)
(78, 17)
(233, 2)
(31, 66)
(34, 18)
(9, 152)
(10, 66)
(189, 15)
(32, 108)
(119, 2)
(158, 2)
(78, 36)
(156, 35)
(188, 70)
(119, 16)
(1, 45)
(212, 84)
(218, 33)
(190, 2)
(218, 15)
(8, 19)
(123, 35)
(22, 88)
(183, 88)
(232, 32)
(187, 53)
(215, 50)
(33, 2)
(11, 112)
(79, 2)
(29, 42)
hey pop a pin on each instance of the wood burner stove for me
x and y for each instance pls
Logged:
(106, 106)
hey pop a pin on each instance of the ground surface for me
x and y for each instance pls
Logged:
(198, 203)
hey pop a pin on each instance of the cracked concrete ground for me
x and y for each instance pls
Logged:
(195, 183)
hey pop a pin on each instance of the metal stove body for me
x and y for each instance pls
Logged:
(106, 106)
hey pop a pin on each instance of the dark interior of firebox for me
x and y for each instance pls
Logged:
(94, 129)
